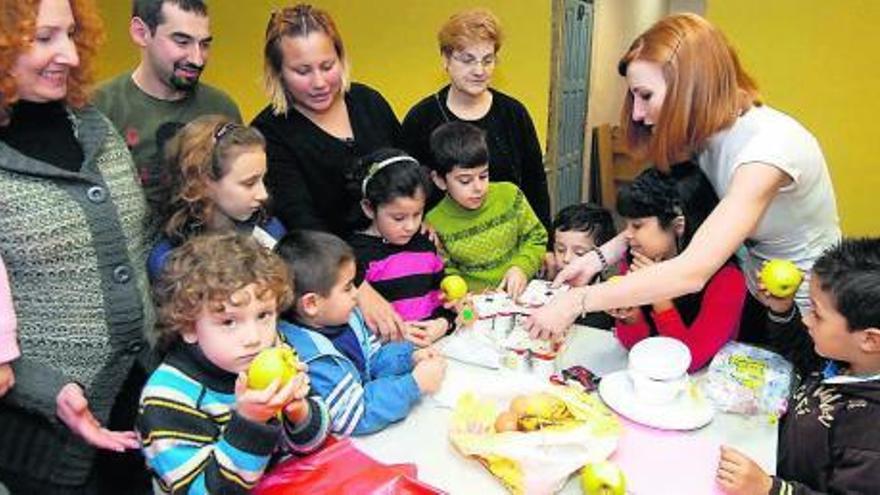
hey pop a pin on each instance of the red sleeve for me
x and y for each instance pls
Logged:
(630, 334)
(717, 320)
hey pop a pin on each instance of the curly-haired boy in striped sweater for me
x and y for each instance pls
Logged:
(202, 429)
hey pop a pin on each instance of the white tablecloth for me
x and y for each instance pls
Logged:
(423, 437)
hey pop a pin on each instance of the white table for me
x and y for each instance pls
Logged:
(423, 437)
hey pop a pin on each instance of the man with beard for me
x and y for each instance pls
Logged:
(163, 92)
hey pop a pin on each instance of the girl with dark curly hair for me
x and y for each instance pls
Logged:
(662, 212)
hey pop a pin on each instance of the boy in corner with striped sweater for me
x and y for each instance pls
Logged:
(490, 234)
(202, 429)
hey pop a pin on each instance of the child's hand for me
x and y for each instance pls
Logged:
(7, 378)
(781, 305)
(379, 314)
(626, 315)
(298, 408)
(640, 261)
(514, 282)
(260, 406)
(428, 331)
(548, 266)
(429, 352)
(739, 475)
(72, 409)
(429, 373)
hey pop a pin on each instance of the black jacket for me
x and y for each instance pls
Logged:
(829, 441)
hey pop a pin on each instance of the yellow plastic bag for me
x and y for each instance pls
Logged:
(578, 429)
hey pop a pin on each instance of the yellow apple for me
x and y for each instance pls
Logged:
(271, 364)
(454, 287)
(781, 277)
(615, 278)
(602, 478)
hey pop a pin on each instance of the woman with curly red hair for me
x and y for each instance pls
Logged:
(71, 235)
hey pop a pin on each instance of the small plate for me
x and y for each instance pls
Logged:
(689, 411)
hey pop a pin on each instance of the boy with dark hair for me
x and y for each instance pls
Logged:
(490, 234)
(202, 428)
(828, 441)
(577, 230)
(367, 385)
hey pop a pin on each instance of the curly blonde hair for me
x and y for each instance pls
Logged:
(18, 20)
(200, 152)
(207, 271)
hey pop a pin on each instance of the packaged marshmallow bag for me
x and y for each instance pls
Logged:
(748, 380)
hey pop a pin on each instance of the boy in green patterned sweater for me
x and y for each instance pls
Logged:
(490, 234)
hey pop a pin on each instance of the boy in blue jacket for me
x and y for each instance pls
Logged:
(367, 385)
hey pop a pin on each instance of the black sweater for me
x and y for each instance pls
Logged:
(307, 167)
(828, 441)
(514, 151)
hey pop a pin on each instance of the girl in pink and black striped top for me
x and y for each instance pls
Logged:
(393, 255)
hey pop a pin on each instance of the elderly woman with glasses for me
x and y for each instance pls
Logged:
(469, 44)
(317, 125)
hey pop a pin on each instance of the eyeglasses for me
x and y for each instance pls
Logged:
(471, 62)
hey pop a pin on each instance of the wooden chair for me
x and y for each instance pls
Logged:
(612, 166)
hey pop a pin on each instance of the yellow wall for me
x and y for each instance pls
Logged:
(391, 44)
(817, 60)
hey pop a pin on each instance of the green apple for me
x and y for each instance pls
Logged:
(271, 364)
(781, 277)
(454, 287)
(602, 478)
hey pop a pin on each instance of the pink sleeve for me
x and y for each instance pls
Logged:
(8, 343)
(717, 321)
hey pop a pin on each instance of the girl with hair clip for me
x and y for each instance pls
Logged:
(218, 168)
(317, 124)
(689, 99)
(662, 212)
(393, 254)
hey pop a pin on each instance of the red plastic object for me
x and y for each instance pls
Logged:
(341, 469)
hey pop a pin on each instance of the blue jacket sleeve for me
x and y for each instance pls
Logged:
(358, 408)
(158, 256)
(393, 358)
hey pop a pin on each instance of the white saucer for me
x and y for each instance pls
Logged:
(686, 412)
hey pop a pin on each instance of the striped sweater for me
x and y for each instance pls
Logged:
(407, 276)
(359, 403)
(482, 244)
(194, 441)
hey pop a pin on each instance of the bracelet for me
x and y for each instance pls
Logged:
(584, 304)
(782, 318)
(601, 257)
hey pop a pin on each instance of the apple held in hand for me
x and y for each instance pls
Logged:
(781, 278)
(271, 364)
(602, 478)
(454, 287)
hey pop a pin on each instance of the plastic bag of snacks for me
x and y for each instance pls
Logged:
(545, 437)
(748, 380)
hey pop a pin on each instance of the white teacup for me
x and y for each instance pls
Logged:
(658, 369)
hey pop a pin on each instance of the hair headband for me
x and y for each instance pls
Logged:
(376, 167)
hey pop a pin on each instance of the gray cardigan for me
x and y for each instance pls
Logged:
(74, 247)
